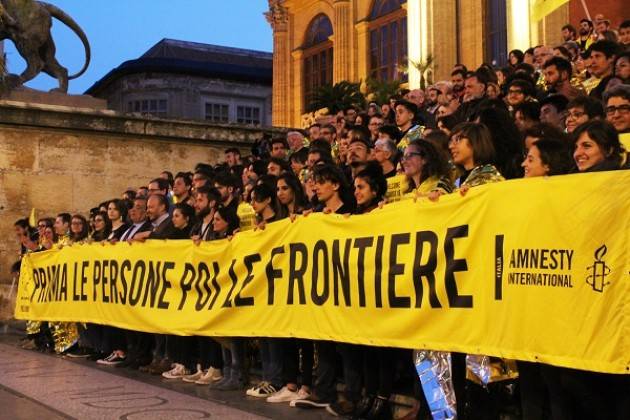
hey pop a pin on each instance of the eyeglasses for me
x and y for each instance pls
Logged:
(610, 110)
(515, 92)
(409, 155)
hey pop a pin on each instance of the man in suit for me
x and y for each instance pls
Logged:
(157, 210)
(138, 216)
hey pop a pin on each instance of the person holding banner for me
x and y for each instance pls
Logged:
(426, 169)
(335, 196)
(235, 375)
(78, 229)
(290, 194)
(597, 147)
(547, 157)
(473, 152)
(102, 227)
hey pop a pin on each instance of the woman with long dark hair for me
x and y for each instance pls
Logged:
(102, 227)
(78, 228)
(117, 214)
(290, 194)
(426, 168)
(183, 221)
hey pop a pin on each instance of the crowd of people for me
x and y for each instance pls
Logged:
(552, 110)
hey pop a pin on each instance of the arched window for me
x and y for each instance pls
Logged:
(318, 56)
(388, 40)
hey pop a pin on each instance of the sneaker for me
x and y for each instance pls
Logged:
(178, 372)
(284, 395)
(341, 409)
(192, 378)
(262, 390)
(312, 401)
(111, 360)
(210, 376)
(302, 394)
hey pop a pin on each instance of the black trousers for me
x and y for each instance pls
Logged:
(352, 356)
(139, 345)
(291, 366)
(210, 353)
(379, 369)
(183, 350)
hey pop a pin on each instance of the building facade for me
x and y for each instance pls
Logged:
(188, 80)
(319, 42)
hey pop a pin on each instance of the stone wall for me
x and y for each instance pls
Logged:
(58, 159)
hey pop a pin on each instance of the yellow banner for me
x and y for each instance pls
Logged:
(534, 269)
(542, 8)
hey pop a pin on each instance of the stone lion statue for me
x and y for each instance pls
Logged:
(27, 23)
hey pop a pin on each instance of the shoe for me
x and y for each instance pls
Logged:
(78, 353)
(262, 390)
(312, 401)
(162, 366)
(29, 345)
(284, 395)
(177, 372)
(210, 376)
(96, 356)
(363, 407)
(341, 408)
(151, 365)
(229, 385)
(129, 364)
(193, 377)
(380, 410)
(111, 360)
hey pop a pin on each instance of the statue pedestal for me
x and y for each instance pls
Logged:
(33, 96)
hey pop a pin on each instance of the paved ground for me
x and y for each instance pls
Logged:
(41, 386)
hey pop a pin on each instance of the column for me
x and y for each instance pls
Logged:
(297, 92)
(278, 18)
(417, 38)
(363, 51)
(342, 48)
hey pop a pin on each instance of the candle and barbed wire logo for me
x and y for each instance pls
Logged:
(598, 271)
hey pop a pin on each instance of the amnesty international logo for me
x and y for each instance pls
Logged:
(598, 271)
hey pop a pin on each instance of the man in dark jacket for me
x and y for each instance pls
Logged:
(157, 209)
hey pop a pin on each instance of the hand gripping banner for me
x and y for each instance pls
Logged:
(533, 269)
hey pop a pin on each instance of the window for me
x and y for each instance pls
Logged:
(156, 107)
(388, 40)
(496, 33)
(248, 115)
(318, 57)
(219, 113)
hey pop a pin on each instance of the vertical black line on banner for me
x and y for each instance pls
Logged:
(498, 267)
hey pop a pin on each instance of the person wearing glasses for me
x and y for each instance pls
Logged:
(519, 91)
(102, 227)
(581, 110)
(618, 112)
(426, 169)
